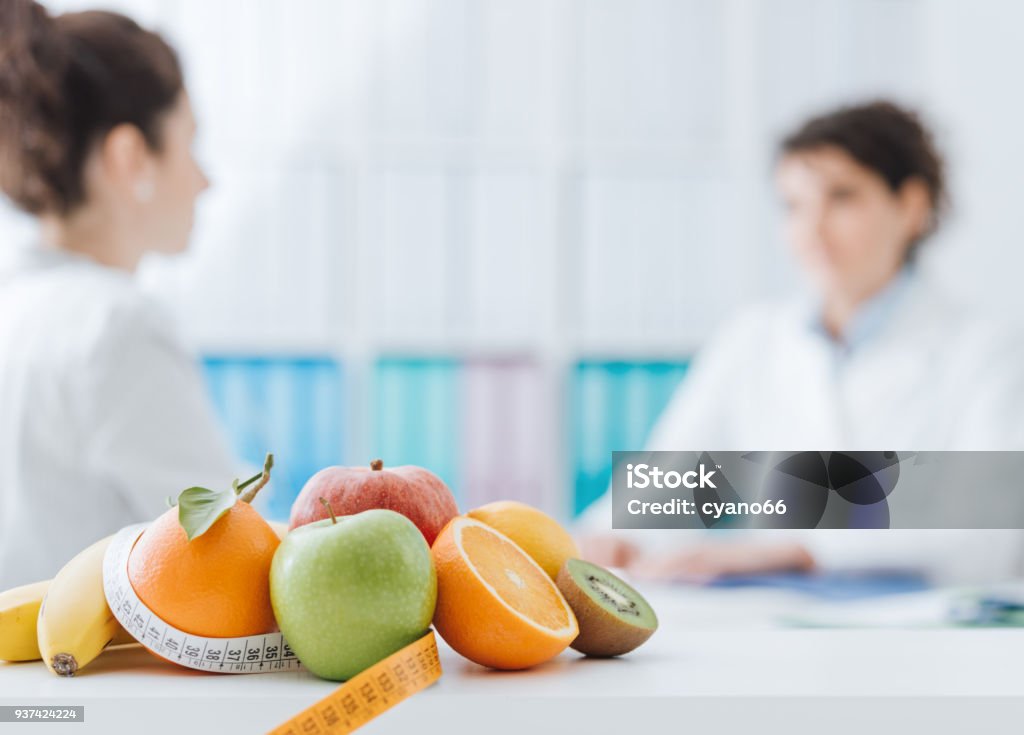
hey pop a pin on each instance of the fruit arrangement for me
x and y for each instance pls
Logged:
(370, 560)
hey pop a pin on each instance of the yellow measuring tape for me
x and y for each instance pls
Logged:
(369, 693)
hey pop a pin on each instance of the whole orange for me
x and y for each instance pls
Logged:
(534, 531)
(217, 584)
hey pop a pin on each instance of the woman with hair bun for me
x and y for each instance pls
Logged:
(876, 357)
(103, 413)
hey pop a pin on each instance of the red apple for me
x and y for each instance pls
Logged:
(418, 494)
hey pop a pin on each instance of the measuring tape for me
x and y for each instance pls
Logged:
(369, 693)
(348, 707)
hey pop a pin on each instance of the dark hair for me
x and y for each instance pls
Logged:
(66, 81)
(886, 138)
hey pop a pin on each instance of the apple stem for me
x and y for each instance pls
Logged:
(263, 477)
(330, 510)
(377, 465)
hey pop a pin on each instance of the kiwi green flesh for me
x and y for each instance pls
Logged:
(613, 617)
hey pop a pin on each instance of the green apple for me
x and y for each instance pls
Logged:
(352, 590)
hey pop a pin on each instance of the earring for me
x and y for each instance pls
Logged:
(143, 190)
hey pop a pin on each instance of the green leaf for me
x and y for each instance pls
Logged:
(199, 508)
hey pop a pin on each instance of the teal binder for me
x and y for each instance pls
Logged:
(613, 405)
(417, 415)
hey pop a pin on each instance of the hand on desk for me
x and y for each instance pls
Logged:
(702, 562)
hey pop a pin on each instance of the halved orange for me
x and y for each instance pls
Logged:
(495, 605)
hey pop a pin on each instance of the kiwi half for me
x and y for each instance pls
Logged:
(614, 618)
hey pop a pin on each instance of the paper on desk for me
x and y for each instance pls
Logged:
(990, 606)
(913, 610)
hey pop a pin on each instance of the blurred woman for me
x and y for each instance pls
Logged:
(879, 358)
(103, 413)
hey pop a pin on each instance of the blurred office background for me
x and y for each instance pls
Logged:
(486, 236)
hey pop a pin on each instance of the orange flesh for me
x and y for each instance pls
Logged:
(518, 582)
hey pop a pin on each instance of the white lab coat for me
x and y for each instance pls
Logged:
(103, 413)
(925, 375)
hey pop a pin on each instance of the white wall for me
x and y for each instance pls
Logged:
(549, 178)
(549, 175)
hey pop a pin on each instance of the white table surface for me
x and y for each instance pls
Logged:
(716, 653)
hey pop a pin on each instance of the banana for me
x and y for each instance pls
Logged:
(75, 624)
(123, 638)
(19, 608)
(19, 612)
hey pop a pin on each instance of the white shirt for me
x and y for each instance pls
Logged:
(103, 413)
(916, 372)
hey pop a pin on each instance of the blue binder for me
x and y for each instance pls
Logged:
(292, 406)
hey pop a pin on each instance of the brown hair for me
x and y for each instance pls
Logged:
(65, 81)
(889, 140)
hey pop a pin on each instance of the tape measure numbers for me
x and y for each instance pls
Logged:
(370, 693)
(348, 707)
